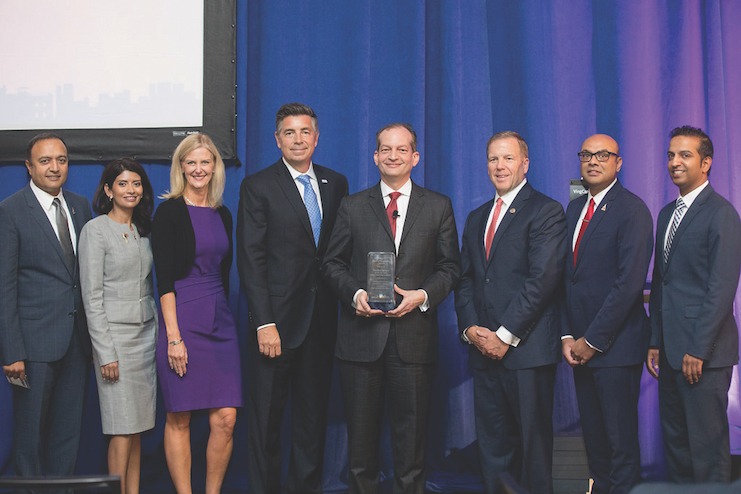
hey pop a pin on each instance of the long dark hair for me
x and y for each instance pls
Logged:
(142, 217)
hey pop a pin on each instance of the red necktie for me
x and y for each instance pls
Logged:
(392, 211)
(492, 227)
(584, 225)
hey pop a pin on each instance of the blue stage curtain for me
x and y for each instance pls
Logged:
(555, 71)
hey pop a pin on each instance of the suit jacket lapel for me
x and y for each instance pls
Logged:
(416, 204)
(38, 214)
(693, 211)
(481, 232)
(508, 216)
(572, 219)
(599, 213)
(375, 201)
(662, 223)
(287, 185)
(325, 191)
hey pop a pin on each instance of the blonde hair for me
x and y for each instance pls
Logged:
(177, 178)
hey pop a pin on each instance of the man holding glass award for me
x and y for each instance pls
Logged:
(392, 259)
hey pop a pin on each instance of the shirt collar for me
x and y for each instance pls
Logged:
(295, 173)
(601, 195)
(44, 198)
(406, 189)
(691, 196)
(509, 197)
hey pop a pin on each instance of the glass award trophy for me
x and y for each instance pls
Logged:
(381, 274)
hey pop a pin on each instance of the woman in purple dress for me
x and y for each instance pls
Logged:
(197, 352)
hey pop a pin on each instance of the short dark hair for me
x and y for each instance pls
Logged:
(143, 211)
(294, 110)
(706, 145)
(506, 134)
(395, 125)
(41, 137)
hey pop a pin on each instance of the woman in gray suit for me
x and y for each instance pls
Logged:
(116, 280)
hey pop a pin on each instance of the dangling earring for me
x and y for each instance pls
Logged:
(110, 198)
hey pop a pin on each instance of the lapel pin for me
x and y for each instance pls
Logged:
(73, 210)
(324, 181)
(125, 236)
(512, 211)
(603, 208)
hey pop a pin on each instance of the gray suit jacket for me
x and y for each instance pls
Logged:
(39, 296)
(116, 280)
(692, 295)
(428, 258)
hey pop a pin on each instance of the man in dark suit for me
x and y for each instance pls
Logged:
(391, 353)
(286, 213)
(604, 325)
(694, 337)
(511, 265)
(43, 332)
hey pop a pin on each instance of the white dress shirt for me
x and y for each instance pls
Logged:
(45, 200)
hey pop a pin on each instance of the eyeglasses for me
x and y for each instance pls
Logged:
(586, 156)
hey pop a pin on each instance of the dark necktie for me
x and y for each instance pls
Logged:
(584, 225)
(493, 227)
(312, 207)
(679, 211)
(63, 230)
(392, 211)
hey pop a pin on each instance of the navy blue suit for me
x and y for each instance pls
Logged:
(279, 265)
(604, 304)
(517, 289)
(42, 323)
(692, 313)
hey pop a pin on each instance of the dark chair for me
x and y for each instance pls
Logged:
(102, 484)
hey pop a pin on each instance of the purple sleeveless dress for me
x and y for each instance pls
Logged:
(214, 376)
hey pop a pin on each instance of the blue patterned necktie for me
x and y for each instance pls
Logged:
(679, 210)
(312, 206)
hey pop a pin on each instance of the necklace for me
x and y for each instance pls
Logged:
(188, 201)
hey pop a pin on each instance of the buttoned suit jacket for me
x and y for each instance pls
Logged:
(604, 290)
(278, 260)
(692, 294)
(40, 297)
(428, 258)
(116, 280)
(517, 287)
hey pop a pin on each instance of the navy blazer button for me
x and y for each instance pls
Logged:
(486, 280)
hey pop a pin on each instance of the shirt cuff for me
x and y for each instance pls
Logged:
(507, 337)
(464, 336)
(425, 306)
(265, 326)
(355, 298)
(592, 346)
(566, 336)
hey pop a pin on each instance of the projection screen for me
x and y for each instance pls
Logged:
(117, 78)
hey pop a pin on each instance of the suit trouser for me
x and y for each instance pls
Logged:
(306, 372)
(694, 422)
(406, 388)
(47, 417)
(514, 425)
(608, 405)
